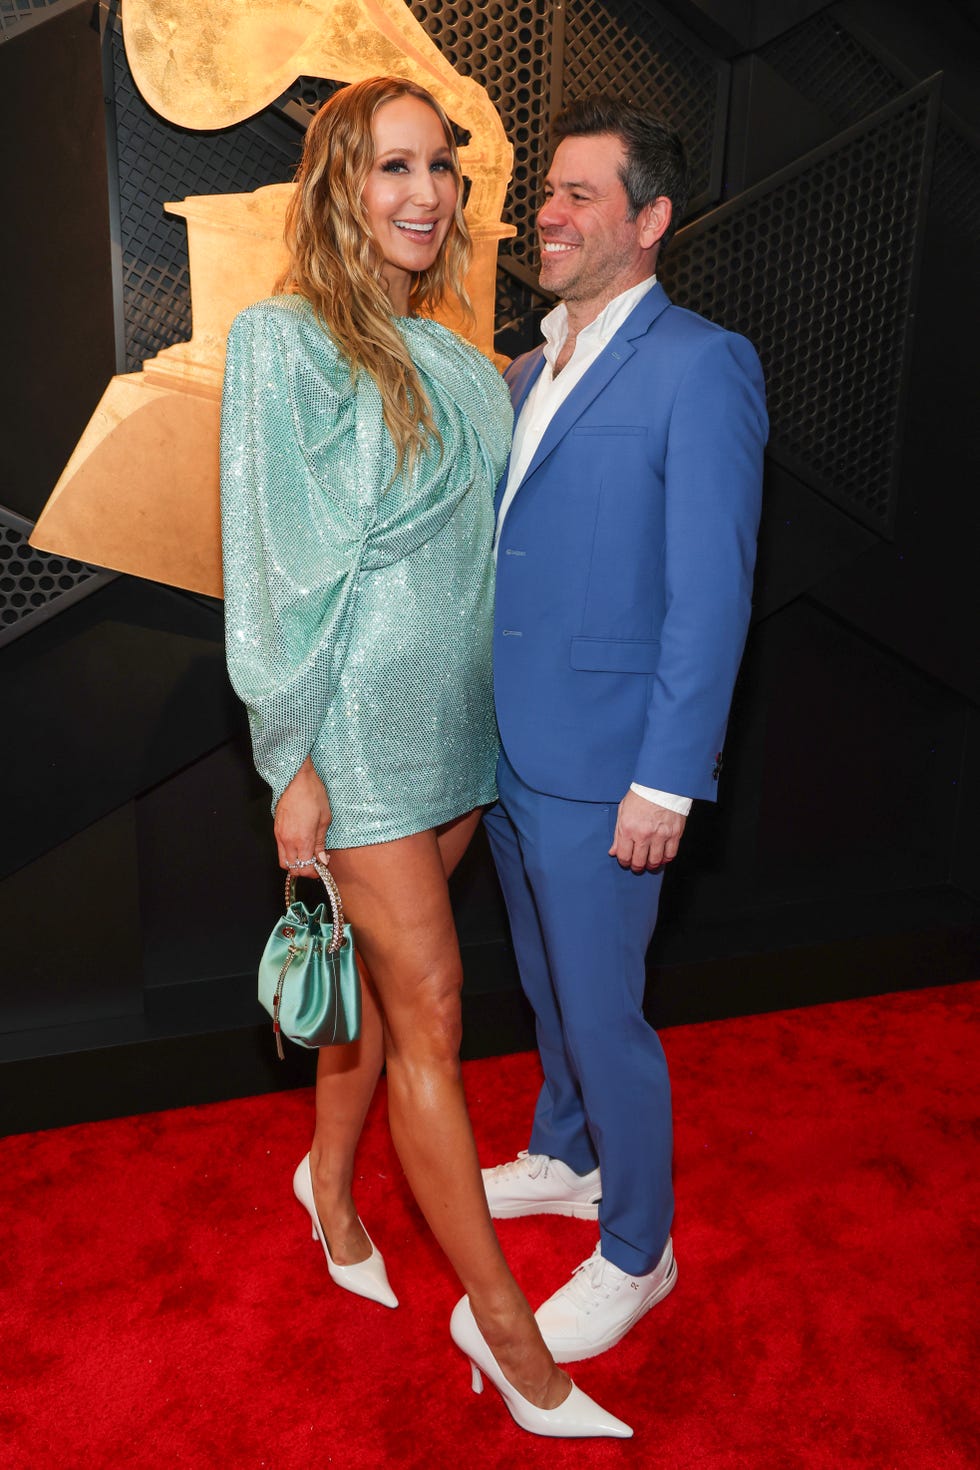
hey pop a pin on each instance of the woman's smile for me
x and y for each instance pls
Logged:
(410, 193)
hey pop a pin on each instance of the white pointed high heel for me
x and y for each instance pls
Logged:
(364, 1278)
(579, 1417)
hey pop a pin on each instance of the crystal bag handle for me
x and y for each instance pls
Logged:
(329, 882)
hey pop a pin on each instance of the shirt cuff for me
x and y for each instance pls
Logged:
(679, 804)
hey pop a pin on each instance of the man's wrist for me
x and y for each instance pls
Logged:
(679, 804)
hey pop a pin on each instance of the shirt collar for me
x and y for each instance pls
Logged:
(554, 327)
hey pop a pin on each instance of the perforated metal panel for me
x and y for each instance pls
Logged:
(817, 267)
(828, 64)
(841, 67)
(508, 48)
(34, 585)
(305, 97)
(956, 179)
(627, 46)
(159, 162)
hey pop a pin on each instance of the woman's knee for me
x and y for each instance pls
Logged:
(428, 1028)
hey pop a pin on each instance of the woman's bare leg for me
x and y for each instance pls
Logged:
(455, 837)
(346, 1077)
(397, 899)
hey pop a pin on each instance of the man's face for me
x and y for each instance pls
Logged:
(590, 249)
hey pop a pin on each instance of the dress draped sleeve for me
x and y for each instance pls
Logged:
(312, 509)
(291, 547)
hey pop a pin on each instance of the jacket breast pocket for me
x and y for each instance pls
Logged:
(616, 655)
(591, 430)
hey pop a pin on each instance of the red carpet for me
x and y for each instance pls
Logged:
(163, 1304)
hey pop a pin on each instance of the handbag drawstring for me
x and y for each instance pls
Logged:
(294, 950)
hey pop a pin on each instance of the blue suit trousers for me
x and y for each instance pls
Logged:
(581, 925)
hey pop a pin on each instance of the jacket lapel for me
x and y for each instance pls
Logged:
(520, 378)
(612, 357)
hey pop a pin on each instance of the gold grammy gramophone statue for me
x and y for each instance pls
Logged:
(140, 492)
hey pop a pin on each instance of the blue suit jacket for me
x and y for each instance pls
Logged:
(624, 569)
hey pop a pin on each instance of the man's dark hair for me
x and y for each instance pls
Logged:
(655, 162)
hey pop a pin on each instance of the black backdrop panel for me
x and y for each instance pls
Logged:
(772, 124)
(802, 541)
(871, 750)
(59, 348)
(922, 594)
(818, 267)
(73, 950)
(111, 697)
(826, 62)
(841, 858)
(210, 885)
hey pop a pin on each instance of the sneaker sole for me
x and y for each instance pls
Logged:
(575, 1354)
(569, 1208)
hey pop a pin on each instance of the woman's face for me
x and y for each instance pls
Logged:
(410, 194)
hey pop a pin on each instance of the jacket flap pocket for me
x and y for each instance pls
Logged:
(616, 655)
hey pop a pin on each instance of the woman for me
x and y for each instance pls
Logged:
(360, 446)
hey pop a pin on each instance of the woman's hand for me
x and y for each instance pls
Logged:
(301, 821)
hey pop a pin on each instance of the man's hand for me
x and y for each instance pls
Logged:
(647, 835)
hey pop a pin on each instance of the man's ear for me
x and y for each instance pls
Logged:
(653, 219)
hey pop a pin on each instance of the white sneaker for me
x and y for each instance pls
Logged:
(600, 1304)
(533, 1184)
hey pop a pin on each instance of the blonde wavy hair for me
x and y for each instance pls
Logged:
(336, 263)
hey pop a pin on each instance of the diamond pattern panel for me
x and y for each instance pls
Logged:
(158, 162)
(816, 267)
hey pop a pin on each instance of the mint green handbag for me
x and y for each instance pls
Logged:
(308, 980)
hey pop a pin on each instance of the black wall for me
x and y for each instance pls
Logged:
(835, 222)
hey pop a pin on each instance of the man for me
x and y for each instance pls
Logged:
(625, 549)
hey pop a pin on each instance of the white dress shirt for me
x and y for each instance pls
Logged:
(542, 403)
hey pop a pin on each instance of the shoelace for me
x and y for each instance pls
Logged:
(525, 1164)
(594, 1277)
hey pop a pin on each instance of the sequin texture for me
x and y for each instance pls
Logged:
(359, 610)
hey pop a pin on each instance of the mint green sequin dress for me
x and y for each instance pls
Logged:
(358, 612)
